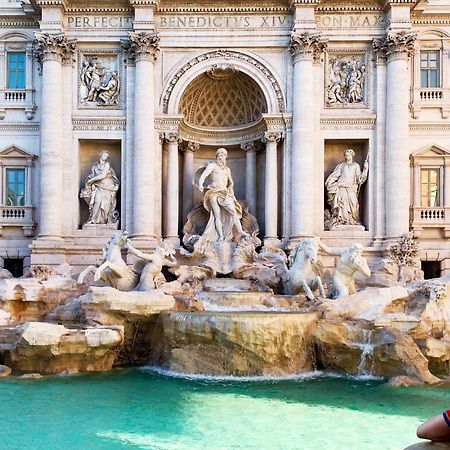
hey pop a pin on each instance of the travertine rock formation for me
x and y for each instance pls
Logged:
(49, 348)
(229, 343)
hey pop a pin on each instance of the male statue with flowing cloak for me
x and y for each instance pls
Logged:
(225, 213)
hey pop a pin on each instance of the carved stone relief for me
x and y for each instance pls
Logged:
(99, 80)
(346, 81)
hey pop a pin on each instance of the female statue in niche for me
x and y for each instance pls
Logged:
(100, 192)
(343, 186)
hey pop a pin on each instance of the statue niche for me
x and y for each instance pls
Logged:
(220, 217)
(100, 193)
(343, 186)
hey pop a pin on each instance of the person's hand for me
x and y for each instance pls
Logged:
(366, 164)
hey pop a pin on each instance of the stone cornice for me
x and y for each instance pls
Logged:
(18, 23)
(52, 4)
(20, 127)
(400, 2)
(142, 45)
(340, 8)
(307, 45)
(54, 46)
(100, 10)
(224, 9)
(294, 3)
(144, 3)
(430, 20)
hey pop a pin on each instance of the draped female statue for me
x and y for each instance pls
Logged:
(100, 192)
(343, 187)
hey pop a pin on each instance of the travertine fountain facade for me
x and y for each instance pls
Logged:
(109, 108)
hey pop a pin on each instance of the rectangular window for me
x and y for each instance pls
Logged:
(16, 70)
(429, 188)
(15, 187)
(429, 69)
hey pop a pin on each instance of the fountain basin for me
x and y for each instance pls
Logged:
(235, 343)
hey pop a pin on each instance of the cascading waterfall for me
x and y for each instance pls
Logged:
(365, 366)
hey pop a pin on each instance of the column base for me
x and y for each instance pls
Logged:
(272, 242)
(173, 240)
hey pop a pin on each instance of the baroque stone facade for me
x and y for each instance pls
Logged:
(285, 86)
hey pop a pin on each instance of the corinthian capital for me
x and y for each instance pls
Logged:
(307, 45)
(53, 46)
(396, 44)
(171, 136)
(142, 45)
(272, 136)
(190, 146)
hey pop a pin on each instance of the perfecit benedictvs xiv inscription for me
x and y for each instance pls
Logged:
(208, 21)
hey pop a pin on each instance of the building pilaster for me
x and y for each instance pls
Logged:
(52, 50)
(305, 48)
(397, 47)
(143, 48)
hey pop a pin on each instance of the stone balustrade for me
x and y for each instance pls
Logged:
(18, 216)
(430, 217)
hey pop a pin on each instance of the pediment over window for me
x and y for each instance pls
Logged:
(431, 151)
(15, 152)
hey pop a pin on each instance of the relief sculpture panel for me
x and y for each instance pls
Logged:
(346, 81)
(99, 81)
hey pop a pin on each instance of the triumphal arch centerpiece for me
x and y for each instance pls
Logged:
(333, 116)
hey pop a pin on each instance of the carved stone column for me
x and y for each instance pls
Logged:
(143, 47)
(188, 177)
(305, 47)
(172, 207)
(271, 140)
(52, 50)
(397, 47)
(250, 175)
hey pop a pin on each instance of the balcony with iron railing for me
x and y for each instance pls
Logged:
(430, 217)
(18, 216)
(431, 98)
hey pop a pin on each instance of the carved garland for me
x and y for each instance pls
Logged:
(224, 54)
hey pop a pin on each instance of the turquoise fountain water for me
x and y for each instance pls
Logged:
(139, 409)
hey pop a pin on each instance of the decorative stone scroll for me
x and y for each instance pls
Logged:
(395, 45)
(54, 46)
(346, 81)
(100, 81)
(142, 45)
(307, 45)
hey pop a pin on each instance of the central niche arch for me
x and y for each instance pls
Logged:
(222, 98)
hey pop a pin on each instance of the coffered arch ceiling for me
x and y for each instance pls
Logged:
(222, 97)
